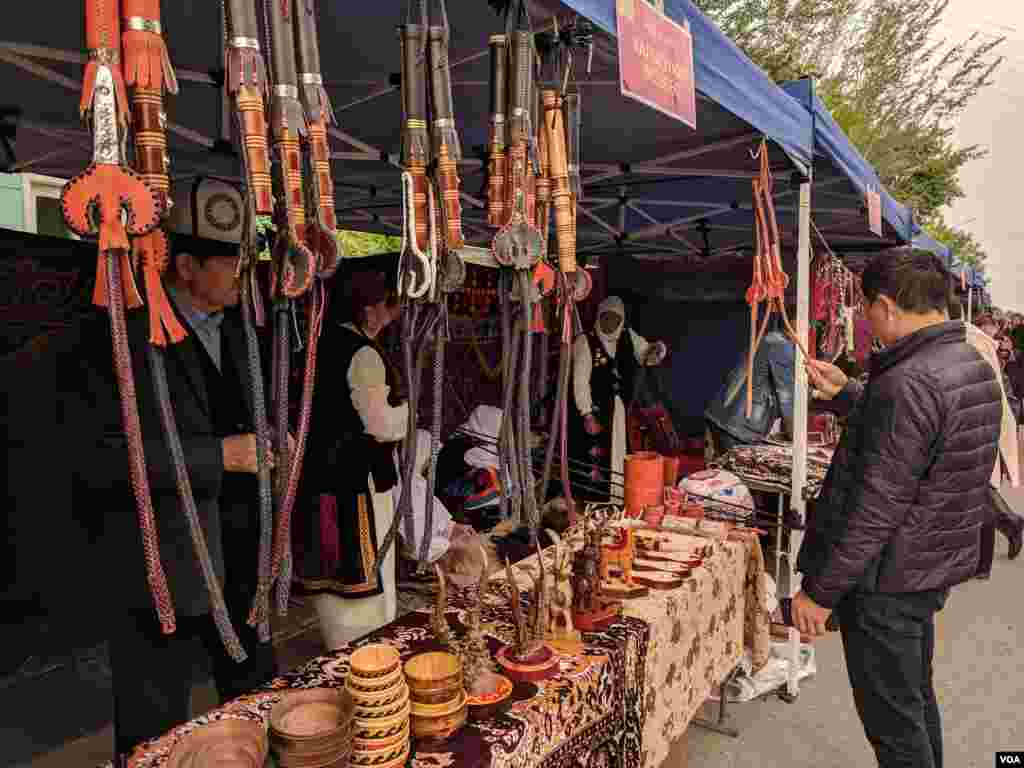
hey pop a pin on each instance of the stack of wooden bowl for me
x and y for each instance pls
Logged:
(312, 728)
(438, 698)
(381, 697)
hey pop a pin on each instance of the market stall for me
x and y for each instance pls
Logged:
(623, 695)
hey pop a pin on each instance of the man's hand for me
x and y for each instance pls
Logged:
(592, 425)
(827, 380)
(656, 354)
(239, 453)
(808, 616)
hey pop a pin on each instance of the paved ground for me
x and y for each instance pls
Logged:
(979, 679)
(60, 720)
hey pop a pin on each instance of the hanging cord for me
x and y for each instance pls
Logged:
(491, 373)
(440, 337)
(282, 563)
(218, 608)
(529, 503)
(136, 455)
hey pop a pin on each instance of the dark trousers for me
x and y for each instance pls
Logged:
(889, 641)
(153, 672)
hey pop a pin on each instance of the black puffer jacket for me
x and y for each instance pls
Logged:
(902, 506)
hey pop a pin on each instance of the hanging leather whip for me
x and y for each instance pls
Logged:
(93, 205)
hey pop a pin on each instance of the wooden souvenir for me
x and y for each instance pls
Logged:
(592, 612)
(621, 553)
(241, 743)
(659, 579)
(312, 727)
(486, 706)
(478, 670)
(429, 672)
(666, 566)
(560, 624)
(374, 661)
(529, 658)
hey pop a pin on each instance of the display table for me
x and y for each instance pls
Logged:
(621, 701)
(769, 467)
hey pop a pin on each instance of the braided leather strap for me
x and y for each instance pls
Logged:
(282, 540)
(435, 432)
(188, 503)
(136, 455)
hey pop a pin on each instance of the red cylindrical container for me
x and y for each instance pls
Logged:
(645, 481)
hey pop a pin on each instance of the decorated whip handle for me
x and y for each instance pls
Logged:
(497, 205)
(560, 192)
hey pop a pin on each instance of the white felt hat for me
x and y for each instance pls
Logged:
(206, 208)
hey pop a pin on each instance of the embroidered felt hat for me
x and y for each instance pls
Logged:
(207, 209)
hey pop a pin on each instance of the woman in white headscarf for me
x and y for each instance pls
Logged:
(604, 364)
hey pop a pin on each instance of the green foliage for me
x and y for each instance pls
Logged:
(353, 244)
(894, 84)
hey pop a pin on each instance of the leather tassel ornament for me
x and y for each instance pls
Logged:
(103, 40)
(148, 70)
(146, 63)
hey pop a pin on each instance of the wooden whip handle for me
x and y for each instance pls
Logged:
(322, 168)
(560, 191)
(497, 208)
(151, 141)
(291, 165)
(448, 183)
(419, 203)
(254, 137)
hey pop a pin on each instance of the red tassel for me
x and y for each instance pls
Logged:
(151, 249)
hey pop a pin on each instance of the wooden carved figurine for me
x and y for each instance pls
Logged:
(560, 624)
(621, 554)
(529, 658)
(590, 611)
(439, 620)
(477, 666)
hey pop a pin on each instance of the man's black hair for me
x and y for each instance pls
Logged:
(916, 280)
(199, 248)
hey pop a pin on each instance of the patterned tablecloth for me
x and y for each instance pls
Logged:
(620, 703)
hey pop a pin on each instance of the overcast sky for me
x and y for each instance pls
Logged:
(993, 209)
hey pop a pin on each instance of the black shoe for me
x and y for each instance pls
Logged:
(1013, 530)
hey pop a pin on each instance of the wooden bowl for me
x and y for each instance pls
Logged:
(542, 665)
(224, 744)
(433, 671)
(393, 695)
(438, 727)
(374, 661)
(378, 757)
(383, 712)
(373, 684)
(439, 710)
(311, 714)
(370, 745)
(380, 727)
(489, 705)
(436, 695)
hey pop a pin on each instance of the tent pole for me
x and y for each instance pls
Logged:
(800, 400)
(970, 302)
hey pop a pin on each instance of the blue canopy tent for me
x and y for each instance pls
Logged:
(842, 179)
(926, 242)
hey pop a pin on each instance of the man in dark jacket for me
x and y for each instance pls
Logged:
(210, 392)
(900, 514)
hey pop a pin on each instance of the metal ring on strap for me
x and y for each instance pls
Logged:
(141, 24)
(244, 42)
(287, 91)
(311, 78)
(107, 56)
(444, 122)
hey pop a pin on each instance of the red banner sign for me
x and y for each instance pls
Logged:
(656, 60)
(875, 212)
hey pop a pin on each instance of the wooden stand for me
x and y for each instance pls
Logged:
(597, 620)
(617, 590)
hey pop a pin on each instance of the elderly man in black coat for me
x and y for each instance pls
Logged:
(210, 392)
(900, 515)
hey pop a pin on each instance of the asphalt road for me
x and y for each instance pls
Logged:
(979, 680)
